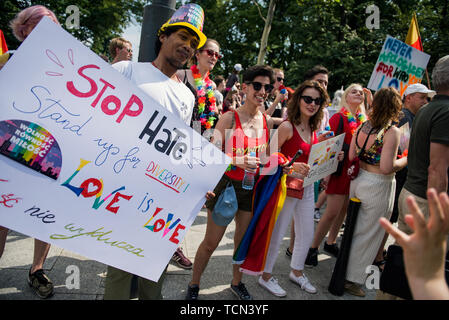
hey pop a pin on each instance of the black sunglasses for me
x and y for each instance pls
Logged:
(308, 100)
(212, 53)
(257, 86)
(279, 79)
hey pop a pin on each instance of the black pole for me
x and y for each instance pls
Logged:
(154, 16)
(337, 283)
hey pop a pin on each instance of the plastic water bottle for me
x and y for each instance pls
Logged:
(248, 179)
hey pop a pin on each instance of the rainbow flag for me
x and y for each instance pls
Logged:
(3, 46)
(268, 199)
(413, 37)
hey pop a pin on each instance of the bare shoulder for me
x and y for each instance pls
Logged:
(393, 131)
(226, 120)
(393, 134)
(286, 125)
(286, 129)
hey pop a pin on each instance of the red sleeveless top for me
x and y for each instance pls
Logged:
(239, 145)
(289, 148)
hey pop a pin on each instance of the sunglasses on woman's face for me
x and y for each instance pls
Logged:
(257, 86)
(212, 53)
(309, 100)
(279, 79)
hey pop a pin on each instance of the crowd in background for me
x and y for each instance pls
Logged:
(253, 99)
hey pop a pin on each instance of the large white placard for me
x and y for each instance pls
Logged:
(90, 163)
(323, 159)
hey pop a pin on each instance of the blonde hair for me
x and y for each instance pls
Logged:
(117, 43)
(343, 102)
(29, 17)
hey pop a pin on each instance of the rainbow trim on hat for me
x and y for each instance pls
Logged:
(190, 16)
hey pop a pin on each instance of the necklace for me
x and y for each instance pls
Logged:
(354, 122)
(207, 111)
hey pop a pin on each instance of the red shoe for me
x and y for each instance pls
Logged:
(181, 260)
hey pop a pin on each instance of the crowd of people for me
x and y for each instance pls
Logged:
(254, 100)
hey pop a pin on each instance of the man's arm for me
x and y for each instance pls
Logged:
(439, 163)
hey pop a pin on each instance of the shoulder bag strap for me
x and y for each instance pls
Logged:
(366, 140)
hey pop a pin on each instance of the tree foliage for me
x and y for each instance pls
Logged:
(304, 32)
(100, 21)
(332, 33)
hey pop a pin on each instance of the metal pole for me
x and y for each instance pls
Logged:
(154, 16)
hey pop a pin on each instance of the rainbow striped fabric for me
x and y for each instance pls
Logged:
(268, 199)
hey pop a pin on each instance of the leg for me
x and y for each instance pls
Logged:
(117, 284)
(3, 236)
(338, 222)
(40, 254)
(335, 203)
(212, 238)
(292, 237)
(285, 216)
(242, 221)
(37, 279)
(150, 290)
(380, 253)
(321, 199)
(304, 228)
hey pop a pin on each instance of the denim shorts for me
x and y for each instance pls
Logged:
(244, 197)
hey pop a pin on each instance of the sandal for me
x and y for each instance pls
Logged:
(380, 264)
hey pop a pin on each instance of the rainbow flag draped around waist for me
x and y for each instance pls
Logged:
(268, 200)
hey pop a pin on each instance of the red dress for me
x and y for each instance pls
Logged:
(340, 184)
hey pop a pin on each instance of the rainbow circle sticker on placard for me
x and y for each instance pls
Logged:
(32, 146)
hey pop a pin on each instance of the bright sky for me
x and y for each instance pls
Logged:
(132, 33)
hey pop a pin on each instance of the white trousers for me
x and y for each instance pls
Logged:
(302, 212)
(376, 192)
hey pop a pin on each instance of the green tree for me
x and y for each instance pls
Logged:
(331, 33)
(100, 21)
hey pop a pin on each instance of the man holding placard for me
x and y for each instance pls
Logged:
(177, 41)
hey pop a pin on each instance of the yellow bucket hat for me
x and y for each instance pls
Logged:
(190, 16)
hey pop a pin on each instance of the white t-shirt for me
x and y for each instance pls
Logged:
(173, 95)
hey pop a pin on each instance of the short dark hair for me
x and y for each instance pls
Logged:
(258, 70)
(218, 80)
(314, 71)
(168, 31)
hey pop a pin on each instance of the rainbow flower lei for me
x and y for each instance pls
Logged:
(207, 111)
(354, 122)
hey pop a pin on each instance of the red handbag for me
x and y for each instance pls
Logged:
(354, 168)
(294, 187)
